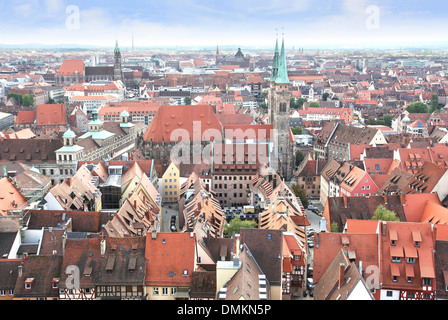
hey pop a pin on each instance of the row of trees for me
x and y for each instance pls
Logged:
(24, 100)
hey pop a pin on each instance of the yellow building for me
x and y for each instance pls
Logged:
(171, 184)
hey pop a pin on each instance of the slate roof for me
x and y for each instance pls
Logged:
(42, 269)
(9, 273)
(266, 247)
(29, 150)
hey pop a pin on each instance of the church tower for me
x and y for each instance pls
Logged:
(118, 74)
(279, 100)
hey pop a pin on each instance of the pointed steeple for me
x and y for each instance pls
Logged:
(117, 48)
(275, 62)
(282, 75)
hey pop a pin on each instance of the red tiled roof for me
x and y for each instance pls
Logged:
(69, 67)
(184, 118)
(168, 256)
(51, 115)
(26, 117)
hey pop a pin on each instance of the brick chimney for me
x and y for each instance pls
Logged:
(345, 200)
(341, 275)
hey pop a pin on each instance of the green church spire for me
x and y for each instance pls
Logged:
(275, 62)
(117, 48)
(282, 75)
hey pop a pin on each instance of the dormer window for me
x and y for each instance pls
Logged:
(29, 283)
(393, 243)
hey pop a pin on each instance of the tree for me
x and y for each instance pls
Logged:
(388, 120)
(27, 100)
(16, 96)
(236, 224)
(334, 227)
(297, 130)
(434, 102)
(381, 213)
(314, 104)
(187, 101)
(300, 102)
(300, 193)
(299, 157)
(417, 107)
(325, 96)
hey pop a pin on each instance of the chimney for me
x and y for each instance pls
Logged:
(360, 268)
(69, 181)
(135, 204)
(20, 271)
(341, 275)
(103, 246)
(154, 234)
(345, 200)
(385, 199)
(384, 228)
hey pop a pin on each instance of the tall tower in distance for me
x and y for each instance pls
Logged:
(118, 73)
(279, 101)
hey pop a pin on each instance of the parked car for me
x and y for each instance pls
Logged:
(311, 207)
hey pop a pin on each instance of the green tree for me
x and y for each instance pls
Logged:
(417, 107)
(300, 193)
(263, 105)
(299, 157)
(388, 120)
(325, 96)
(188, 101)
(27, 100)
(236, 224)
(434, 102)
(300, 102)
(334, 227)
(16, 96)
(381, 213)
(297, 130)
(314, 104)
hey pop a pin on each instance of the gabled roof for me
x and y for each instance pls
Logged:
(358, 246)
(339, 280)
(10, 197)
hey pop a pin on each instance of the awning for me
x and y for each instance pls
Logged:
(426, 268)
(395, 269)
(393, 235)
(396, 252)
(182, 293)
(410, 271)
(416, 236)
(410, 252)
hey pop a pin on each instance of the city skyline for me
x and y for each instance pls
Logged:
(254, 24)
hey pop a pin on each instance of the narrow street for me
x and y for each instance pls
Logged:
(168, 210)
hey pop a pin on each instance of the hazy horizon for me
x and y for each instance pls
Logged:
(308, 24)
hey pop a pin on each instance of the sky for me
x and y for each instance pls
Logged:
(307, 24)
